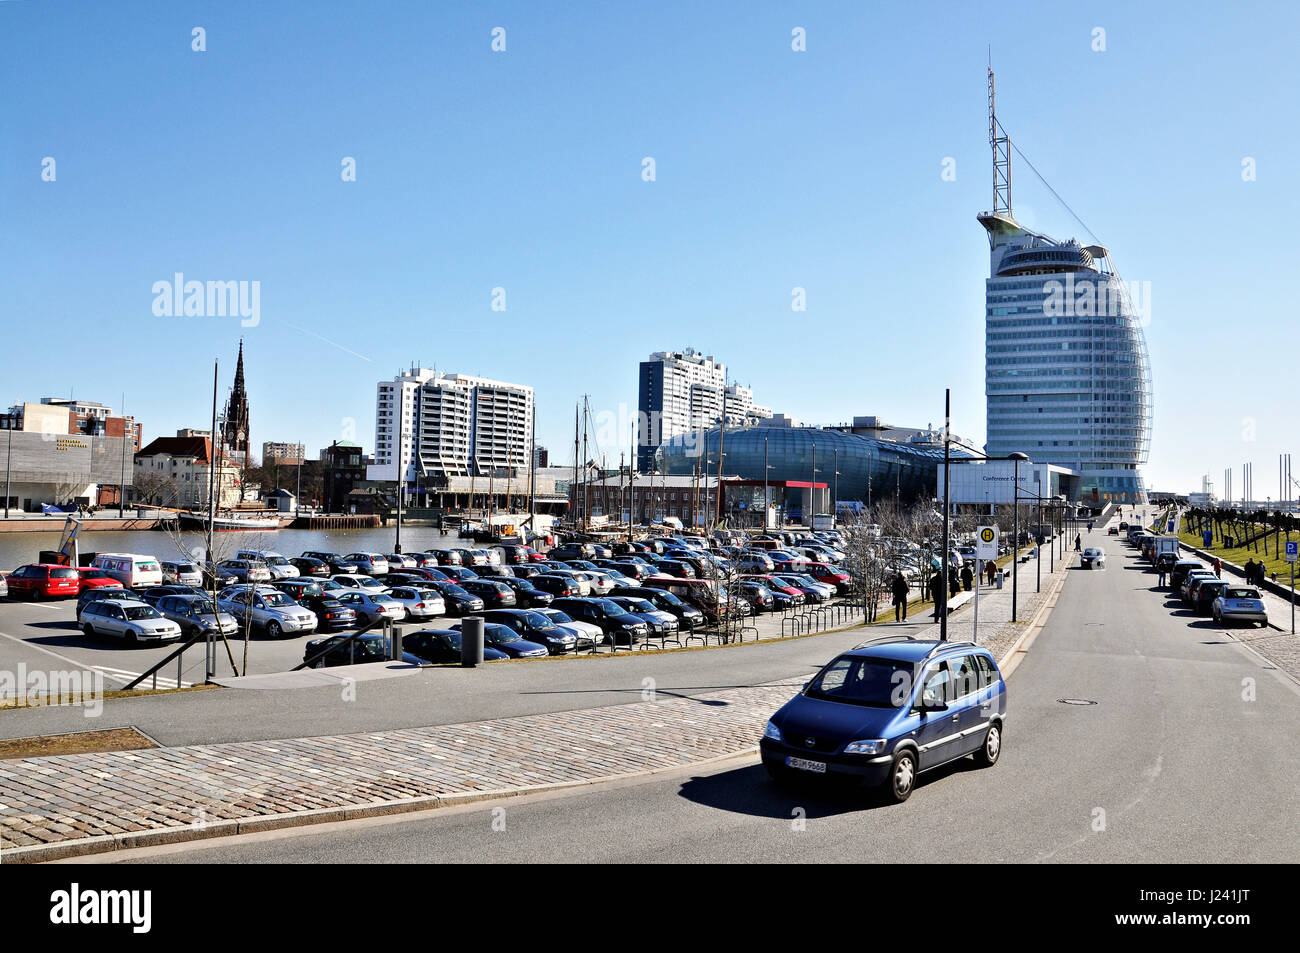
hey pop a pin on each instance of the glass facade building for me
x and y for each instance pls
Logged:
(1067, 380)
(869, 469)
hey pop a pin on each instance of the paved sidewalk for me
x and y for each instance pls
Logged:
(80, 804)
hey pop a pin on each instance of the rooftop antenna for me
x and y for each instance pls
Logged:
(1001, 145)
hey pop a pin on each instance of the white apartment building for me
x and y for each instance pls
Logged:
(680, 391)
(450, 425)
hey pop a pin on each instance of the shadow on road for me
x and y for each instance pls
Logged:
(750, 791)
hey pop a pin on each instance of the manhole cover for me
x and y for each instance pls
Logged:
(1076, 701)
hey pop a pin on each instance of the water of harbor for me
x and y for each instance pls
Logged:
(19, 548)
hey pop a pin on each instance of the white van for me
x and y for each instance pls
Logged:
(132, 570)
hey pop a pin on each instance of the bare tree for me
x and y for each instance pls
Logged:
(155, 487)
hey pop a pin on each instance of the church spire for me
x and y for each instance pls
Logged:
(235, 428)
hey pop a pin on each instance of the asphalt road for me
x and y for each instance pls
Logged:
(1186, 757)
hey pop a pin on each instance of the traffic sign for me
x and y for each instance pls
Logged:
(1292, 551)
(986, 542)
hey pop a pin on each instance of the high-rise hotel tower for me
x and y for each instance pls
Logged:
(1067, 379)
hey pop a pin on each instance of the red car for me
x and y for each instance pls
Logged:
(96, 579)
(776, 585)
(824, 573)
(44, 581)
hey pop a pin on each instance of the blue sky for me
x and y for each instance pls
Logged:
(522, 170)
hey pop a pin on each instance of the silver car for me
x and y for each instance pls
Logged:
(371, 608)
(246, 570)
(359, 583)
(181, 573)
(1240, 603)
(267, 609)
(197, 615)
(1093, 557)
(420, 603)
(374, 563)
(134, 621)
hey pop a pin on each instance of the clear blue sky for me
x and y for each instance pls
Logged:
(522, 170)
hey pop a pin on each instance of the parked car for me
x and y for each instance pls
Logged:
(535, 627)
(360, 583)
(420, 602)
(43, 581)
(446, 557)
(352, 650)
(527, 596)
(267, 608)
(335, 562)
(495, 595)
(1206, 593)
(196, 615)
(457, 600)
(458, 573)
(132, 570)
(1188, 579)
(88, 578)
(587, 635)
(216, 577)
(373, 607)
(310, 566)
(756, 594)
(1240, 604)
(181, 573)
(246, 570)
(4, 587)
(567, 551)
(133, 621)
(1092, 557)
(619, 625)
(88, 596)
(398, 561)
(558, 586)
(527, 570)
(660, 623)
(277, 565)
(151, 596)
(443, 646)
(813, 591)
(507, 640)
(852, 721)
(686, 614)
(373, 564)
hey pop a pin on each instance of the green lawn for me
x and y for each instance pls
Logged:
(1273, 562)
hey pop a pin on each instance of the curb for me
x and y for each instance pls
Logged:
(64, 850)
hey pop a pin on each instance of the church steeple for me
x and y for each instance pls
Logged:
(235, 428)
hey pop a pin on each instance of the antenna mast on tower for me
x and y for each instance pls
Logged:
(1001, 145)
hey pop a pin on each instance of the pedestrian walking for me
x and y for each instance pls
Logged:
(1162, 568)
(967, 577)
(938, 591)
(954, 584)
(1218, 567)
(1249, 571)
(992, 572)
(899, 588)
(1078, 542)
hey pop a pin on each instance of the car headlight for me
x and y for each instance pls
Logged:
(873, 746)
(772, 732)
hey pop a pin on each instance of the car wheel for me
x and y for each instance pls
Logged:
(132, 639)
(89, 630)
(36, 595)
(273, 630)
(902, 778)
(987, 756)
(781, 775)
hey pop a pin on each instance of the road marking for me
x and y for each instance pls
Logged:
(36, 648)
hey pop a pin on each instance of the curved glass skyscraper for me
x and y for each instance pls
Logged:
(1067, 379)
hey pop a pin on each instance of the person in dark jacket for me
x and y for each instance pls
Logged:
(938, 592)
(954, 584)
(1249, 571)
(899, 588)
(967, 577)
(992, 572)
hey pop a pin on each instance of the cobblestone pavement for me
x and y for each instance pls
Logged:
(75, 804)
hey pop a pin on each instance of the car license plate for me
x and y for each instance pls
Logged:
(817, 767)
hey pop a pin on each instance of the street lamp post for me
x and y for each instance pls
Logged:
(947, 545)
(1015, 531)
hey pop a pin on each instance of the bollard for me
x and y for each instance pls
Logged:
(395, 644)
(471, 642)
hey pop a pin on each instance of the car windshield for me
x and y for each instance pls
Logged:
(878, 683)
(136, 613)
(186, 567)
(201, 607)
(312, 590)
(500, 633)
(428, 594)
(557, 616)
(451, 589)
(1241, 594)
(612, 608)
(640, 605)
(538, 621)
(276, 599)
(382, 597)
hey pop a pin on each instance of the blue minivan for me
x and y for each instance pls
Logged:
(887, 710)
